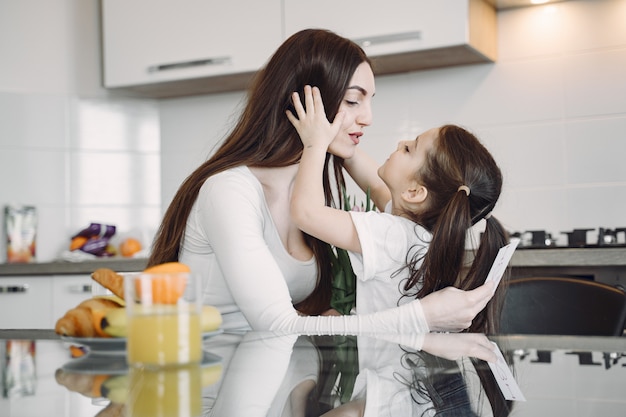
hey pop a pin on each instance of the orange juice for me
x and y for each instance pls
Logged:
(165, 392)
(163, 316)
(163, 335)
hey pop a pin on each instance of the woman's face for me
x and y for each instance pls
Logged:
(357, 106)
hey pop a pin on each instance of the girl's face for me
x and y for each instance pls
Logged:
(357, 106)
(400, 169)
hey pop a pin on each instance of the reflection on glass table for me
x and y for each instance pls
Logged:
(264, 374)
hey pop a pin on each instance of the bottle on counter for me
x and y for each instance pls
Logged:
(21, 233)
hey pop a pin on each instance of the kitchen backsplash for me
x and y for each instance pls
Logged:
(552, 111)
(68, 147)
(97, 161)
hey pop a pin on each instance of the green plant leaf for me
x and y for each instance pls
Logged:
(343, 296)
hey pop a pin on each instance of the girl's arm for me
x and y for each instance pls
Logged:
(308, 208)
(232, 220)
(230, 214)
(364, 171)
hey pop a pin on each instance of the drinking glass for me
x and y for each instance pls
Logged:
(163, 312)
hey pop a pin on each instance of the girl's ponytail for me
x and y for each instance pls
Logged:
(493, 238)
(444, 259)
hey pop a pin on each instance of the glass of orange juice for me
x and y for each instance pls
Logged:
(163, 312)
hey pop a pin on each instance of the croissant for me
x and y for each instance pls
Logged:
(88, 385)
(78, 321)
(110, 280)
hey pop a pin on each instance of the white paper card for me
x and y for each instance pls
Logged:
(502, 261)
(505, 379)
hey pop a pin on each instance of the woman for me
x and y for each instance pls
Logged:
(230, 220)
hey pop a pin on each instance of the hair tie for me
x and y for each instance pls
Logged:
(487, 216)
(464, 188)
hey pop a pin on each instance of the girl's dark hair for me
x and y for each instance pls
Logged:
(458, 158)
(264, 137)
(444, 383)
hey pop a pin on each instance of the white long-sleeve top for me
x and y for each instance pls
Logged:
(232, 242)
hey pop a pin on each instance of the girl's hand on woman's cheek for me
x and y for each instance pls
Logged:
(311, 123)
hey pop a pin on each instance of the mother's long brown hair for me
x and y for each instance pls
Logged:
(264, 137)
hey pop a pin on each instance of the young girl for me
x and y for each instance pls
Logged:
(437, 187)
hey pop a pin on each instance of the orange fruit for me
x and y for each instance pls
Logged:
(169, 282)
(78, 242)
(167, 267)
(166, 288)
(129, 247)
(76, 351)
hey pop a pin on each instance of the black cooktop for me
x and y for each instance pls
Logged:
(577, 238)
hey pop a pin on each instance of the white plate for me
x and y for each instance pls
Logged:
(113, 345)
(94, 363)
(104, 364)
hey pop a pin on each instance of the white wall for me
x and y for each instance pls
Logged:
(552, 110)
(67, 146)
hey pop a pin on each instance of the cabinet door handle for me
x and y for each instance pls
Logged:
(80, 289)
(14, 288)
(188, 64)
(394, 37)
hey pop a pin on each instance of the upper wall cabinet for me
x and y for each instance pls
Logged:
(405, 35)
(164, 48)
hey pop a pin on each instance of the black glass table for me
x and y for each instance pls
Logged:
(263, 374)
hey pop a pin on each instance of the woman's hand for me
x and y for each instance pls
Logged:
(452, 309)
(454, 346)
(312, 125)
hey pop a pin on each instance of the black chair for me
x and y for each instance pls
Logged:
(563, 306)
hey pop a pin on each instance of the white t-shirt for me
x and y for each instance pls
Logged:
(383, 381)
(380, 268)
(232, 242)
(387, 241)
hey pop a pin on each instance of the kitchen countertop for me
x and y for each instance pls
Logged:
(29, 334)
(73, 268)
(523, 257)
(569, 257)
(600, 343)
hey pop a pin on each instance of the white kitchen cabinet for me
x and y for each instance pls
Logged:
(404, 35)
(159, 47)
(37, 302)
(67, 292)
(25, 302)
(162, 48)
